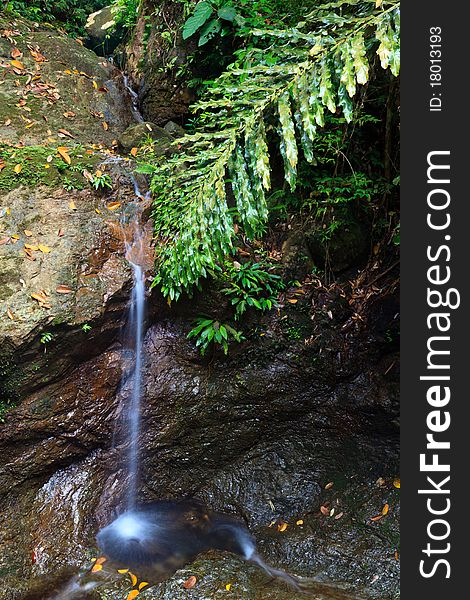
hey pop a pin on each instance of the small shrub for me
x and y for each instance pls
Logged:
(250, 286)
(209, 332)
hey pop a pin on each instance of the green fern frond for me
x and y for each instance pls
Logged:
(219, 176)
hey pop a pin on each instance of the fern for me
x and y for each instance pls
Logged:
(315, 72)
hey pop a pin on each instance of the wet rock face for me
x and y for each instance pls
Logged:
(82, 259)
(258, 435)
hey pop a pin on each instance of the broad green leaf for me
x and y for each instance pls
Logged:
(202, 13)
(209, 30)
(228, 13)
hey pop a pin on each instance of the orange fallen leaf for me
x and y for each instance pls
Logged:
(17, 64)
(133, 594)
(72, 205)
(376, 518)
(18, 169)
(38, 57)
(292, 301)
(16, 53)
(96, 568)
(228, 586)
(44, 249)
(2, 165)
(385, 509)
(190, 582)
(15, 236)
(64, 153)
(95, 85)
(134, 151)
(282, 527)
(143, 584)
(28, 233)
(63, 289)
(113, 205)
(60, 233)
(299, 522)
(396, 483)
(105, 125)
(123, 571)
(339, 515)
(10, 314)
(31, 247)
(324, 510)
(133, 578)
(329, 485)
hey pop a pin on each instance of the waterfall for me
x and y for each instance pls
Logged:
(136, 321)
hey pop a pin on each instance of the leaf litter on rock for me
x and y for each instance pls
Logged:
(190, 582)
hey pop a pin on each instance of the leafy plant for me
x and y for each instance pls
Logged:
(45, 339)
(101, 181)
(209, 19)
(126, 12)
(209, 332)
(315, 72)
(86, 328)
(249, 285)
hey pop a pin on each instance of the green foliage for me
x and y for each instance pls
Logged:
(209, 332)
(101, 181)
(126, 12)
(69, 14)
(86, 328)
(249, 285)
(70, 185)
(41, 165)
(196, 222)
(211, 18)
(46, 337)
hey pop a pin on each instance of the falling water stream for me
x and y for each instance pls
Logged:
(136, 323)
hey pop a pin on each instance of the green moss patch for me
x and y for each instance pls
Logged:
(34, 165)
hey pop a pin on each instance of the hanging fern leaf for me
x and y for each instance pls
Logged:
(314, 72)
(287, 142)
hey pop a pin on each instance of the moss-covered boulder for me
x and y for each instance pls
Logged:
(103, 34)
(56, 92)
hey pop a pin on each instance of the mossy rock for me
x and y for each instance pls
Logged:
(62, 87)
(103, 34)
(136, 135)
